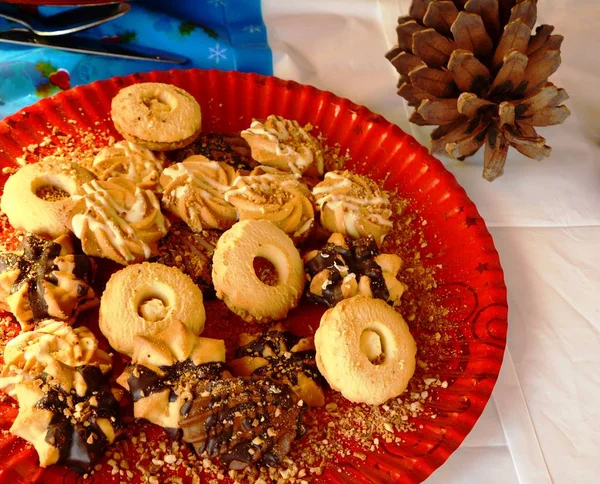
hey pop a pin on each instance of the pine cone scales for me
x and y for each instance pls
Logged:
(475, 69)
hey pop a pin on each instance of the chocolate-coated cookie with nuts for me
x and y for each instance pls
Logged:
(345, 267)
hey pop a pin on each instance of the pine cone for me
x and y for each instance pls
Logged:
(474, 69)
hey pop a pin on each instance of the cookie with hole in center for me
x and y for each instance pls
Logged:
(157, 116)
(144, 299)
(365, 350)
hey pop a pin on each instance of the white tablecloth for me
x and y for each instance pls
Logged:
(542, 424)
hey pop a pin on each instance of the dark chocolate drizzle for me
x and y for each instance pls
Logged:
(36, 265)
(243, 420)
(284, 365)
(70, 435)
(148, 381)
(359, 258)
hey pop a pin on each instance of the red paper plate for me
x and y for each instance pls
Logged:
(468, 349)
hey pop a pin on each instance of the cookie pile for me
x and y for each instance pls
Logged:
(188, 215)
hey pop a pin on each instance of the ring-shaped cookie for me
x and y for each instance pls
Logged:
(158, 116)
(365, 350)
(37, 198)
(236, 282)
(143, 299)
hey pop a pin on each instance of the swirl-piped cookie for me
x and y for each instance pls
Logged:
(165, 370)
(136, 163)
(346, 267)
(365, 350)
(44, 279)
(32, 353)
(194, 191)
(236, 281)
(117, 220)
(353, 205)
(157, 116)
(144, 299)
(37, 198)
(277, 197)
(285, 145)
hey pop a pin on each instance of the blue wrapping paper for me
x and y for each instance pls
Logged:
(212, 34)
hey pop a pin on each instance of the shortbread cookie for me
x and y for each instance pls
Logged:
(235, 279)
(194, 191)
(44, 279)
(157, 116)
(243, 421)
(277, 197)
(165, 370)
(37, 198)
(136, 163)
(117, 220)
(32, 353)
(68, 425)
(190, 252)
(353, 205)
(283, 356)
(346, 267)
(285, 145)
(365, 350)
(143, 299)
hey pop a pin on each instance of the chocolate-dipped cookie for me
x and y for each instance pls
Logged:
(45, 279)
(283, 356)
(346, 267)
(243, 420)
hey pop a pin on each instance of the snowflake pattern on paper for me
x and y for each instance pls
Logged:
(217, 53)
(251, 29)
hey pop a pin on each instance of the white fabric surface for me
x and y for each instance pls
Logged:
(542, 424)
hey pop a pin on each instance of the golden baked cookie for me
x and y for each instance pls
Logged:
(235, 279)
(353, 205)
(285, 145)
(143, 299)
(365, 350)
(194, 191)
(157, 116)
(37, 198)
(165, 370)
(31, 353)
(44, 279)
(136, 163)
(277, 197)
(117, 220)
(347, 267)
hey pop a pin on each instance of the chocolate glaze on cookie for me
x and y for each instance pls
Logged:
(37, 266)
(143, 381)
(74, 427)
(243, 420)
(357, 258)
(228, 147)
(183, 374)
(284, 363)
